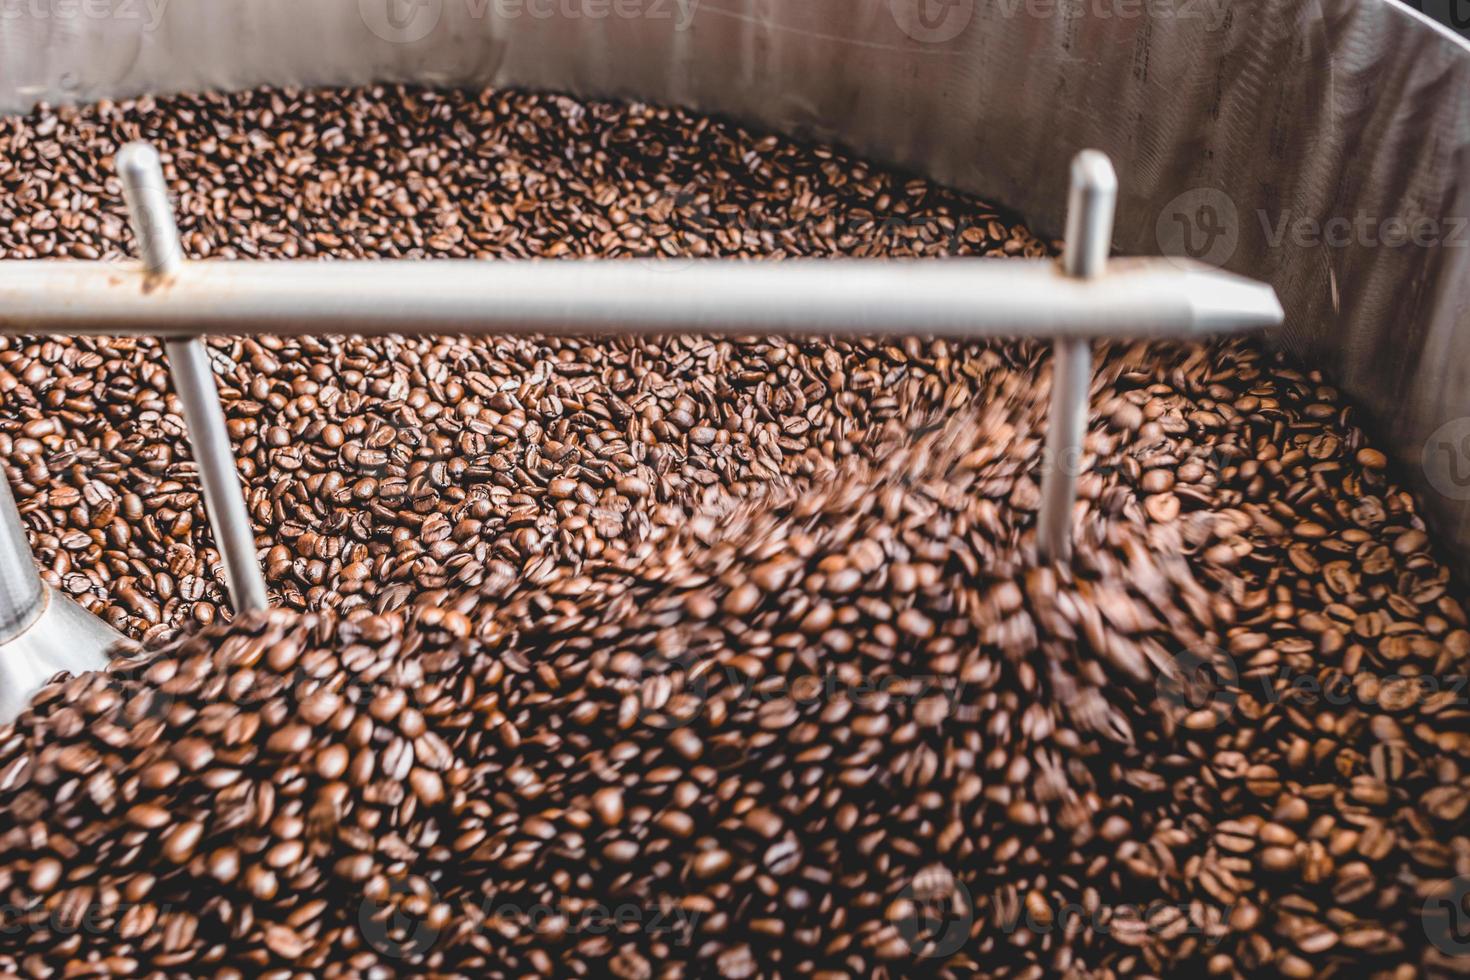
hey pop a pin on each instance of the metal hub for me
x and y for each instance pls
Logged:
(63, 637)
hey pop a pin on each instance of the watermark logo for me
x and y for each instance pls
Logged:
(139, 700)
(671, 923)
(673, 694)
(684, 216)
(1202, 689)
(932, 21)
(401, 21)
(1201, 225)
(1214, 13)
(1204, 225)
(1446, 917)
(1454, 14)
(934, 913)
(1446, 459)
(1130, 922)
(71, 916)
(1077, 460)
(1204, 684)
(150, 12)
(390, 929)
(399, 927)
(1365, 229)
(407, 21)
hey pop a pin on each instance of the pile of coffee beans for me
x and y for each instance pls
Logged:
(690, 656)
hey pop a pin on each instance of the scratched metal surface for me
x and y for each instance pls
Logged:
(1235, 126)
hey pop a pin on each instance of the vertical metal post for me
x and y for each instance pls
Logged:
(1090, 206)
(146, 192)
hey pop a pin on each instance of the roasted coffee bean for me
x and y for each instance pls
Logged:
(44, 875)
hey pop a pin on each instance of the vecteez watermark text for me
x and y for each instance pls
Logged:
(1366, 229)
(150, 12)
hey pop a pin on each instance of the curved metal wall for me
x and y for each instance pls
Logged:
(1320, 145)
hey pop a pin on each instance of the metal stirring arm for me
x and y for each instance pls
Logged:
(956, 297)
(1083, 298)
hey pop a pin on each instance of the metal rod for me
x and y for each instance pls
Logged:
(1138, 298)
(224, 496)
(150, 210)
(1066, 427)
(1090, 206)
(1091, 203)
(22, 594)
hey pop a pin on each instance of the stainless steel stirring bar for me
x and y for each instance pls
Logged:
(954, 297)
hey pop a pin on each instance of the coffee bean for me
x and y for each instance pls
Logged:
(224, 864)
(148, 816)
(607, 803)
(782, 857)
(179, 844)
(284, 942)
(289, 740)
(160, 775)
(711, 863)
(332, 762)
(427, 786)
(44, 876)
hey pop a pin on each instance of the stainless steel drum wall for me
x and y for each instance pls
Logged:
(1302, 143)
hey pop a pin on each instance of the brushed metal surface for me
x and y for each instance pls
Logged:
(21, 595)
(958, 297)
(1282, 140)
(63, 637)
